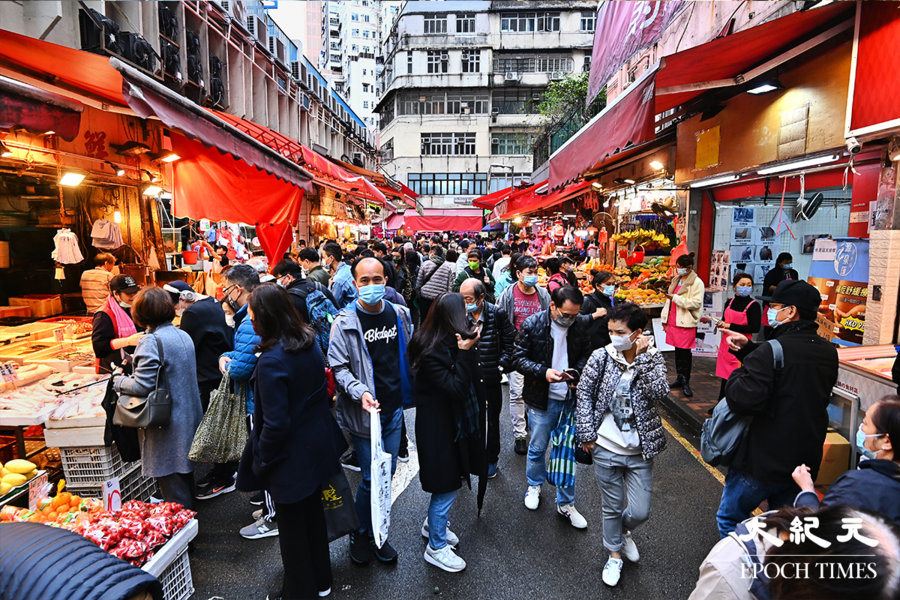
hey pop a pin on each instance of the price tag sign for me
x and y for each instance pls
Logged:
(112, 495)
(8, 371)
(38, 488)
(59, 334)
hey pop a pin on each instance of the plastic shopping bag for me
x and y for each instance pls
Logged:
(381, 484)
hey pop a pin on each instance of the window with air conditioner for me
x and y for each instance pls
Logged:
(448, 144)
(438, 61)
(511, 143)
(513, 102)
(471, 61)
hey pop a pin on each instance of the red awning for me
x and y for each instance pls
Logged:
(533, 202)
(38, 111)
(439, 219)
(394, 222)
(491, 200)
(209, 185)
(874, 104)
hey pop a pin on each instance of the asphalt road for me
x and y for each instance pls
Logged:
(511, 552)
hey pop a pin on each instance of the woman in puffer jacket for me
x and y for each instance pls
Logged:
(617, 423)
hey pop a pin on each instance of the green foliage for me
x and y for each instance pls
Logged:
(563, 111)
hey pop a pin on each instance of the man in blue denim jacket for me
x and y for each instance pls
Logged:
(342, 279)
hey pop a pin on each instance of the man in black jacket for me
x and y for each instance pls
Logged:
(495, 347)
(289, 275)
(788, 408)
(550, 354)
(381, 252)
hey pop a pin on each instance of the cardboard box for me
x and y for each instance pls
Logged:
(835, 458)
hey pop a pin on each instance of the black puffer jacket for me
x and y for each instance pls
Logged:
(496, 345)
(534, 353)
(598, 328)
(39, 562)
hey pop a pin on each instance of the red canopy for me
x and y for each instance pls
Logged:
(439, 219)
(491, 200)
(874, 101)
(210, 185)
(533, 202)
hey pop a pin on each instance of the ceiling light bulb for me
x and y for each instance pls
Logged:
(4, 150)
(657, 165)
(51, 132)
(170, 157)
(120, 171)
(629, 181)
(71, 179)
(117, 217)
(597, 185)
(762, 89)
(152, 190)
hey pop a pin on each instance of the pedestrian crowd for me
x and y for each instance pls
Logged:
(440, 324)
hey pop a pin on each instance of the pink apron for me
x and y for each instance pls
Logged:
(679, 337)
(727, 362)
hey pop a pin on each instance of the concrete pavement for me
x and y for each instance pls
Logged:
(511, 552)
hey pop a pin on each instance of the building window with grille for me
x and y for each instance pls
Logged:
(354, 17)
(365, 87)
(354, 48)
(513, 102)
(438, 61)
(387, 114)
(586, 66)
(365, 33)
(435, 24)
(367, 49)
(588, 21)
(471, 61)
(365, 104)
(465, 23)
(511, 143)
(548, 21)
(366, 18)
(387, 149)
(440, 103)
(529, 22)
(355, 32)
(448, 184)
(336, 58)
(409, 57)
(448, 144)
(534, 63)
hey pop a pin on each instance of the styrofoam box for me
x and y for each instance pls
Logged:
(74, 437)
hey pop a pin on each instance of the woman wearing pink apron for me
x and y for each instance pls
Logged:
(680, 316)
(743, 315)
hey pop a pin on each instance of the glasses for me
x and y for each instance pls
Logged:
(227, 290)
(469, 299)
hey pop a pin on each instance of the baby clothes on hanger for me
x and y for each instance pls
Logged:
(67, 251)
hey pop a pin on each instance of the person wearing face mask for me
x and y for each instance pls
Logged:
(474, 270)
(114, 336)
(520, 301)
(875, 484)
(289, 275)
(383, 252)
(403, 285)
(551, 353)
(495, 349)
(367, 353)
(789, 407)
(341, 279)
(680, 317)
(312, 266)
(742, 314)
(435, 278)
(782, 271)
(596, 306)
(617, 423)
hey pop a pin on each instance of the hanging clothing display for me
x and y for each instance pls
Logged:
(106, 235)
(67, 251)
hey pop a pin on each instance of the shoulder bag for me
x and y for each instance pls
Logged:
(153, 410)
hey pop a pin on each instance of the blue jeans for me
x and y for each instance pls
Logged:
(438, 512)
(743, 494)
(543, 422)
(390, 438)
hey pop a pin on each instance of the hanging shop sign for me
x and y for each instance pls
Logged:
(843, 285)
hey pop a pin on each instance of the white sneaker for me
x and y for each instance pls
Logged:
(504, 378)
(571, 513)
(325, 594)
(629, 549)
(452, 538)
(444, 559)
(612, 571)
(533, 497)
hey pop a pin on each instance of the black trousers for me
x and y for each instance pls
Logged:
(222, 473)
(683, 362)
(424, 307)
(303, 537)
(494, 405)
(177, 487)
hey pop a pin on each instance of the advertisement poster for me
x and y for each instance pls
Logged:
(718, 270)
(843, 286)
(742, 253)
(765, 254)
(741, 217)
(741, 236)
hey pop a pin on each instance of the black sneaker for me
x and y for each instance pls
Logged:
(403, 455)
(521, 446)
(350, 462)
(215, 489)
(206, 480)
(258, 499)
(386, 553)
(360, 549)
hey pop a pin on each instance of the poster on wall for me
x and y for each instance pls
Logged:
(744, 267)
(759, 272)
(718, 270)
(765, 235)
(741, 236)
(809, 242)
(742, 253)
(843, 286)
(743, 216)
(765, 254)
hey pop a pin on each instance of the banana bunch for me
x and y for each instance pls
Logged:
(641, 237)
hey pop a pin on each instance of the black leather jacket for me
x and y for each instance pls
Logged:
(598, 328)
(496, 343)
(534, 353)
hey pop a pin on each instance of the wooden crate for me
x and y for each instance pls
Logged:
(42, 305)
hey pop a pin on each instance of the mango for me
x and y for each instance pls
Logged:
(30, 476)
(3, 473)
(20, 466)
(14, 479)
(4, 488)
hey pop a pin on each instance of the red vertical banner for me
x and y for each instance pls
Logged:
(865, 192)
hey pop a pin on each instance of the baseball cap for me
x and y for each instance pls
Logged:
(793, 292)
(124, 283)
(177, 286)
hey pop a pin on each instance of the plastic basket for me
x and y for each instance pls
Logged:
(176, 580)
(134, 486)
(93, 465)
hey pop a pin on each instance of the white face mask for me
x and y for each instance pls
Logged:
(179, 312)
(124, 304)
(229, 319)
(621, 342)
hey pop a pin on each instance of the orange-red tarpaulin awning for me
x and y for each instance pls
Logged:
(489, 201)
(215, 186)
(439, 219)
(533, 202)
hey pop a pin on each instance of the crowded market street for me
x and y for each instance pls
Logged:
(512, 553)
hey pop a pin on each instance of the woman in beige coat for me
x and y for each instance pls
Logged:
(680, 317)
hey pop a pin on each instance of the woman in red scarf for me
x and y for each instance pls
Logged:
(114, 335)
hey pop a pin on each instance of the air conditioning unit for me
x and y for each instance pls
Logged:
(304, 102)
(511, 76)
(296, 66)
(495, 141)
(495, 112)
(556, 75)
(464, 105)
(535, 96)
(258, 29)
(280, 52)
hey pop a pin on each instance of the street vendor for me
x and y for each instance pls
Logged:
(114, 335)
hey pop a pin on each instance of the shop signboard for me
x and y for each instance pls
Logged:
(843, 286)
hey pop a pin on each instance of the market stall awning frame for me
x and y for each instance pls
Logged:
(534, 202)
(439, 219)
(38, 111)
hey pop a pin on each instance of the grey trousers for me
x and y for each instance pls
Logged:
(622, 478)
(177, 487)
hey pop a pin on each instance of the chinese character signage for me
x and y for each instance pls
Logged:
(843, 285)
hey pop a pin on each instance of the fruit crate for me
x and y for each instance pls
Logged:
(93, 465)
(134, 486)
(172, 566)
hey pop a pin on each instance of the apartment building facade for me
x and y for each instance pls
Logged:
(462, 82)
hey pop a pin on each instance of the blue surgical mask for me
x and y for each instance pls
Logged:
(861, 443)
(472, 307)
(788, 266)
(772, 314)
(371, 294)
(530, 280)
(744, 290)
(609, 290)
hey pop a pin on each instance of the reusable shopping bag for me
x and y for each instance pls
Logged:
(340, 510)
(561, 471)
(381, 484)
(222, 433)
